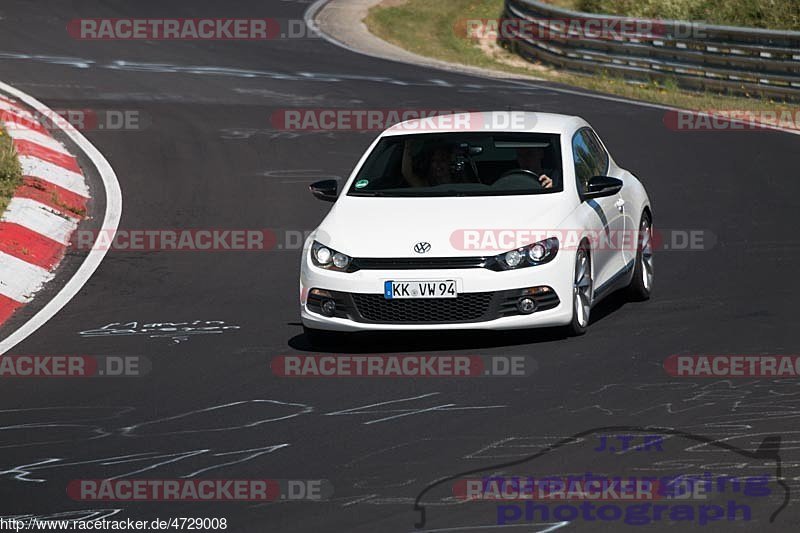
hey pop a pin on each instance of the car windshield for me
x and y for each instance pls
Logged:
(461, 164)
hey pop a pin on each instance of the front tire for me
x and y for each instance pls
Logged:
(642, 283)
(582, 288)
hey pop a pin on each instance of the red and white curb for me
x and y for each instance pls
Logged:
(36, 227)
(46, 209)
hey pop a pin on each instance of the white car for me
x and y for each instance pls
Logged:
(470, 223)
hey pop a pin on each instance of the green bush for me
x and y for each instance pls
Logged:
(10, 171)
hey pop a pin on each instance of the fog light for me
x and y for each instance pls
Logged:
(328, 307)
(526, 306)
(322, 293)
(537, 290)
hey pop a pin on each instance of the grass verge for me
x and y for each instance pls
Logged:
(773, 14)
(427, 28)
(10, 171)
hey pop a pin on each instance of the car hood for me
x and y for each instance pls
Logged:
(390, 227)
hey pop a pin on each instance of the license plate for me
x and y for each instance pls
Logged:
(396, 290)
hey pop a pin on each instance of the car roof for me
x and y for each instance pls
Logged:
(494, 121)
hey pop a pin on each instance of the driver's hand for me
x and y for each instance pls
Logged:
(546, 181)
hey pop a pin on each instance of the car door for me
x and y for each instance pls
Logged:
(623, 239)
(605, 215)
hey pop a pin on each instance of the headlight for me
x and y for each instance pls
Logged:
(534, 254)
(513, 258)
(322, 254)
(537, 252)
(325, 257)
(340, 261)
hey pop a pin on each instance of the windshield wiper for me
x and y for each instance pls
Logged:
(367, 193)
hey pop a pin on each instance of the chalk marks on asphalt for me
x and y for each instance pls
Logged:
(80, 515)
(176, 331)
(380, 408)
(175, 444)
(192, 421)
(125, 465)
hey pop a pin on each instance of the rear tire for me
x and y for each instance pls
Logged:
(642, 283)
(582, 292)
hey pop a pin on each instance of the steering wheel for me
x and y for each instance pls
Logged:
(524, 171)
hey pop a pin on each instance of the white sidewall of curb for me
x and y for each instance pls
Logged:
(111, 219)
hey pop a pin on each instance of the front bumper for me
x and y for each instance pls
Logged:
(486, 299)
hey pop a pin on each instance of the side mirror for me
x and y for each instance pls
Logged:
(602, 186)
(326, 190)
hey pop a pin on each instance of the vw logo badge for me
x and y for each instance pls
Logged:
(422, 247)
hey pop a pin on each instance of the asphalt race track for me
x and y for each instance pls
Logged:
(208, 157)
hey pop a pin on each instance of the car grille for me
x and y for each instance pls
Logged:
(466, 307)
(428, 263)
(413, 263)
(469, 307)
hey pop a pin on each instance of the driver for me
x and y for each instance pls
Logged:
(431, 168)
(533, 159)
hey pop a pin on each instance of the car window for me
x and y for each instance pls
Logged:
(590, 158)
(585, 164)
(461, 164)
(598, 152)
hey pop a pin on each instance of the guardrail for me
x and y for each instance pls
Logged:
(745, 61)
